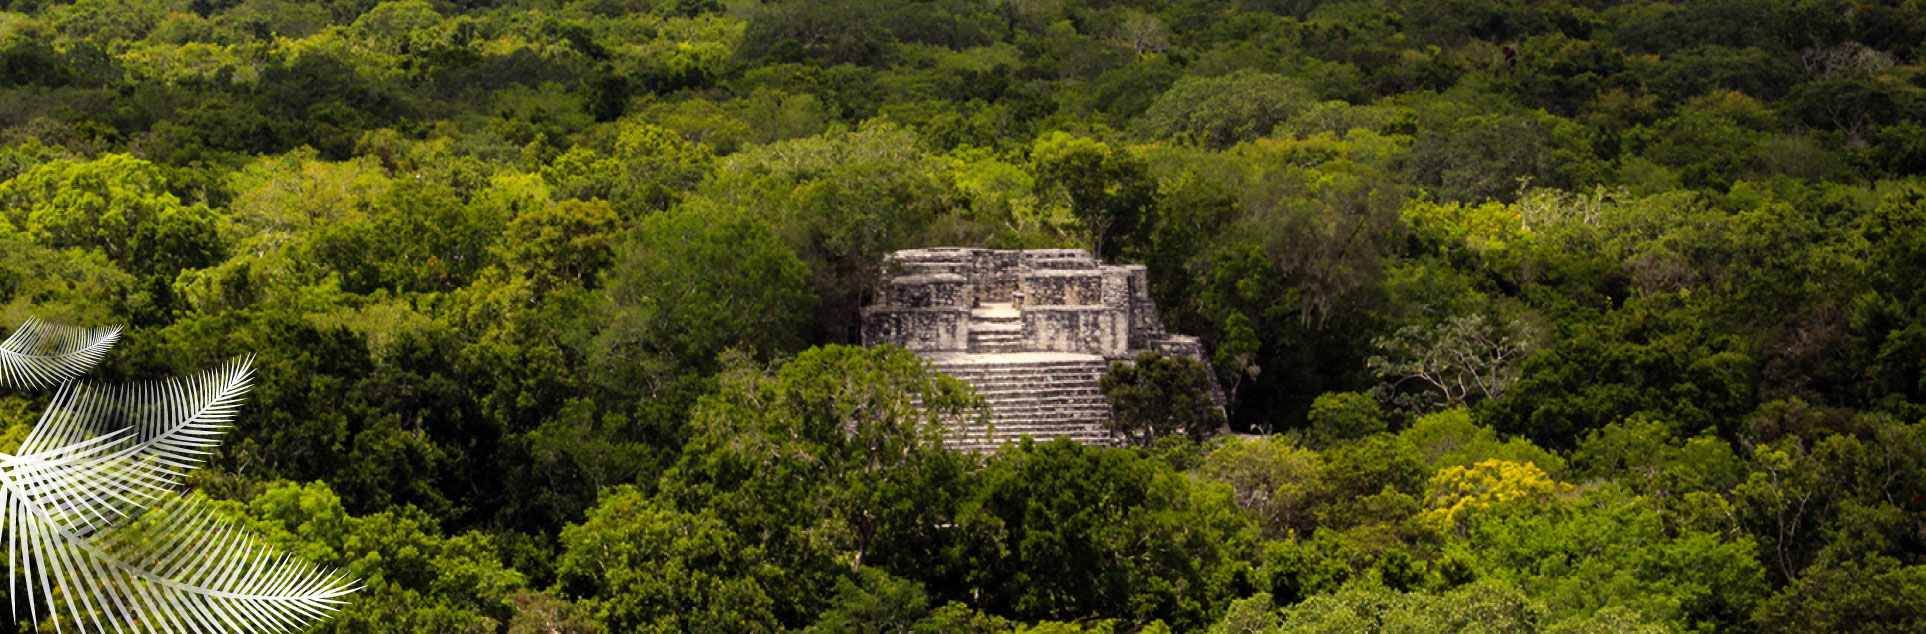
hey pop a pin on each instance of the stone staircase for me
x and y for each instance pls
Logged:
(996, 328)
(1041, 395)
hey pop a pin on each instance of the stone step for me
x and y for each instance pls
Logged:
(1033, 366)
(982, 345)
(1002, 435)
(1002, 401)
(1020, 365)
(1012, 372)
(1033, 423)
(1011, 431)
(1089, 412)
(1041, 431)
(996, 316)
(1067, 408)
(1034, 384)
(1047, 418)
(1032, 426)
(1044, 399)
(1052, 418)
(1017, 390)
(1091, 380)
(1043, 396)
(1077, 414)
(1079, 418)
(989, 446)
(957, 256)
(1006, 372)
(1022, 373)
(1014, 390)
(1025, 376)
(992, 376)
(1041, 383)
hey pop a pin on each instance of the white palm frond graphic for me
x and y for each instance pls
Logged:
(40, 354)
(94, 527)
(178, 568)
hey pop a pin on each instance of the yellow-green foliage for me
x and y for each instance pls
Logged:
(1457, 493)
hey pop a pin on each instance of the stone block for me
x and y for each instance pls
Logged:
(928, 329)
(1074, 287)
(929, 290)
(1081, 329)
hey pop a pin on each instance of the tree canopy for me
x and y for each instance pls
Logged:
(1565, 316)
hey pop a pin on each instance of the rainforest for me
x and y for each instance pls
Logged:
(1528, 315)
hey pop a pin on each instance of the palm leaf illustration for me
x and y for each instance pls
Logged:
(101, 453)
(93, 524)
(179, 568)
(40, 354)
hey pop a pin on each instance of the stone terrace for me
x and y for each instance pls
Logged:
(1033, 331)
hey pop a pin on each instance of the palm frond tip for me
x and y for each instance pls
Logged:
(40, 354)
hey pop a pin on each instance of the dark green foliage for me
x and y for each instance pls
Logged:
(1219, 112)
(1154, 396)
(1064, 532)
(653, 569)
(1339, 417)
(1107, 188)
(1878, 596)
(690, 286)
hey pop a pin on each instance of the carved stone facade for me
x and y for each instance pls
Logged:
(1033, 331)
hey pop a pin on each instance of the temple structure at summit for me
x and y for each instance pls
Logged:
(1034, 331)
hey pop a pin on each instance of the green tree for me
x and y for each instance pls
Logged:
(1367, 607)
(1876, 596)
(1270, 477)
(1061, 531)
(839, 201)
(642, 567)
(690, 285)
(1340, 416)
(828, 465)
(1450, 364)
(1451, 438)
(1154, 396)
(1612, 549)
(1107, 188)
(1218, 112)
(415, 578)
(568, 243)
(118, 205)
(423, 239)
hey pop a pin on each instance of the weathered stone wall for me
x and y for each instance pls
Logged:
(994, 273)
(926, 329)
(929, 290)
(1083, 329)
(1068, 300)
(1039, 259)
(1179, 346)
(1060, 287)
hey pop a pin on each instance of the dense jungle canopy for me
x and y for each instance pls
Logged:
(1534, 315)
